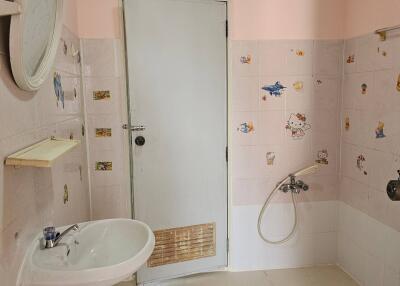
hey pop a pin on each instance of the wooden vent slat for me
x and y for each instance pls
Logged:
(183, 244)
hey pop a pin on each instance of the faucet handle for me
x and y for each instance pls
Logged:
(49, 233)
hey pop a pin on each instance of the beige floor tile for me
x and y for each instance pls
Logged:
(312, 276)
(289, 277)
(257, 278)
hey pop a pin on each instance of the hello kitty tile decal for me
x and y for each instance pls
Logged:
(58, 89)
(270, 158)
(245, 59)
(360, 164)
(379, 132)
(276, 89)
(297, 126)
(246, 127)
(322, 157)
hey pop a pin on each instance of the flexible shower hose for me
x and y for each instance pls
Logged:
(266, 204)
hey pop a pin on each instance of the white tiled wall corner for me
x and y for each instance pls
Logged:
(103, 71)
(314, 242)
(376, 67)
(32, 198)
(367, 248)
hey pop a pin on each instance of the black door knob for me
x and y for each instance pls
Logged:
(139, 140)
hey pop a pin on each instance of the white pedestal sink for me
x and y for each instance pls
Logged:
(101, 253)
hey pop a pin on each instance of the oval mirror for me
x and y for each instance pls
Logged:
(34, 37)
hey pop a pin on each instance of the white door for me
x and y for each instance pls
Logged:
(176, 52)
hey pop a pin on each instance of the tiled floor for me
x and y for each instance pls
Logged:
(314, 276)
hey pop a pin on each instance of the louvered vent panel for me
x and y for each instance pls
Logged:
(183, 244)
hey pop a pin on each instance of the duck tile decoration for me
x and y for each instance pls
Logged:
(297, 125)
(298, 85)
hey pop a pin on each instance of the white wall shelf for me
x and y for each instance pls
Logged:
(41, 154)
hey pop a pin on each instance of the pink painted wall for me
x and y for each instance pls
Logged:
(98, 19)
(71, 15)
(288, 19)
(364, 16)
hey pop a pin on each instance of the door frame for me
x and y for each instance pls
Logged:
(229, 80)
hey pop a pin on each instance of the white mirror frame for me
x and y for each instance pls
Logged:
(22, 78)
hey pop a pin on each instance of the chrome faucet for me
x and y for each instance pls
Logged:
(51, 238)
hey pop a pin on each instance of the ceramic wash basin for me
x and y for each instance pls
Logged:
(101, 253)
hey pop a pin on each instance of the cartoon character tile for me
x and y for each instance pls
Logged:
(103, 132)
(347, 123)
(398, 83)
(322, 157)
(360, 164)
(270, 158)
(297, 126)
(245, 59)
(246, 127)
(103, 166)
(58, 89)
(101, 95)
(298, 86)
(275, 89)
(379, 131)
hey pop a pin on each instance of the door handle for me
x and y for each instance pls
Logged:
(133, 127)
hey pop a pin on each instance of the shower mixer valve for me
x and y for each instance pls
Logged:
(294, 186)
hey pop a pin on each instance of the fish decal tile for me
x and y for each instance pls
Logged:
(276, 89)
(58, 89)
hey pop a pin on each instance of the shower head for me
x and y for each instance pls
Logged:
(308, 170)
